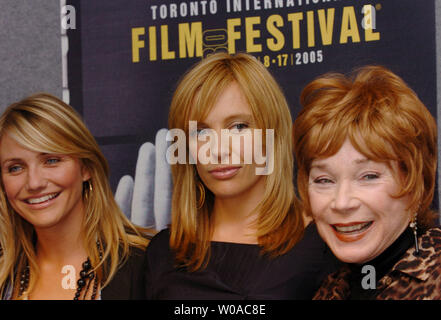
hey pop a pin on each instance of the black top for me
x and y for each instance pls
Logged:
(128, 282)
(239, 271)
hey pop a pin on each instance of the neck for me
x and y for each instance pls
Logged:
(234, 218)
(386, 260)
(382, 265)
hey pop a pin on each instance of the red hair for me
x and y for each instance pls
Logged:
(384, 120)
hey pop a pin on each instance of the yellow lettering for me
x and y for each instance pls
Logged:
(349, 26)
(326, 25)
(233, 35)
(295, 20)
(276, 43)
(190, 39)
(136, 43)
(370, 35)
(166, 54)
(252, 34)
(152, 44)
(311, 30)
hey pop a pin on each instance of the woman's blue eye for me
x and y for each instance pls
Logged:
(52, 161)
(14, 169)
(203, 131)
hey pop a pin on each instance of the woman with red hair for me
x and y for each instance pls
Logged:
(366, 157)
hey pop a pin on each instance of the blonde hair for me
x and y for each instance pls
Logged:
(384, 120)
(43, 123)
(280, 224)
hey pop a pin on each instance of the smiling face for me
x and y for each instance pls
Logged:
(352, 204)
(234, 178)
(44, 189)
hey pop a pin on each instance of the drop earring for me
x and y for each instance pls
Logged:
(413, 226)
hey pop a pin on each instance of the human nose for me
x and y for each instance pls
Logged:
(220, 148)
(35, 178)
(344, 199)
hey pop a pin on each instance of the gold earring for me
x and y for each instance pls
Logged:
(201, 198)
(87, 189)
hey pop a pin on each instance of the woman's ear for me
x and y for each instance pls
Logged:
(85, 173)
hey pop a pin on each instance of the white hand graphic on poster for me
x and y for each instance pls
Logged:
(146, 199)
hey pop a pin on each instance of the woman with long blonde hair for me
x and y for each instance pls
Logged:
(237, 229)
(62, 235)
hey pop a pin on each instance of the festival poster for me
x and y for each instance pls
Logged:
(126, 57)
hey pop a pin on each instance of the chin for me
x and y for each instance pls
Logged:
(225, 190)
(353, 255)
(225, 195)
(350, 259)
(44, 224)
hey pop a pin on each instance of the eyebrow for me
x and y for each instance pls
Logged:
(41, 154)
(242, 116)
(324, 165)
(245, 116)
(362, 160)
(11, 160)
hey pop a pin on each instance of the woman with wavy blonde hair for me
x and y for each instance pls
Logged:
(234, 233)
(58, 215)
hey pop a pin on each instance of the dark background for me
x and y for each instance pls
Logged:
(125, 103)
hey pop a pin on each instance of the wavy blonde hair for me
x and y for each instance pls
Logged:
(280, 224)
(43, 123)
(384, 120)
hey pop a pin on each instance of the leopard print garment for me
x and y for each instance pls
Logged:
(411, 278)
